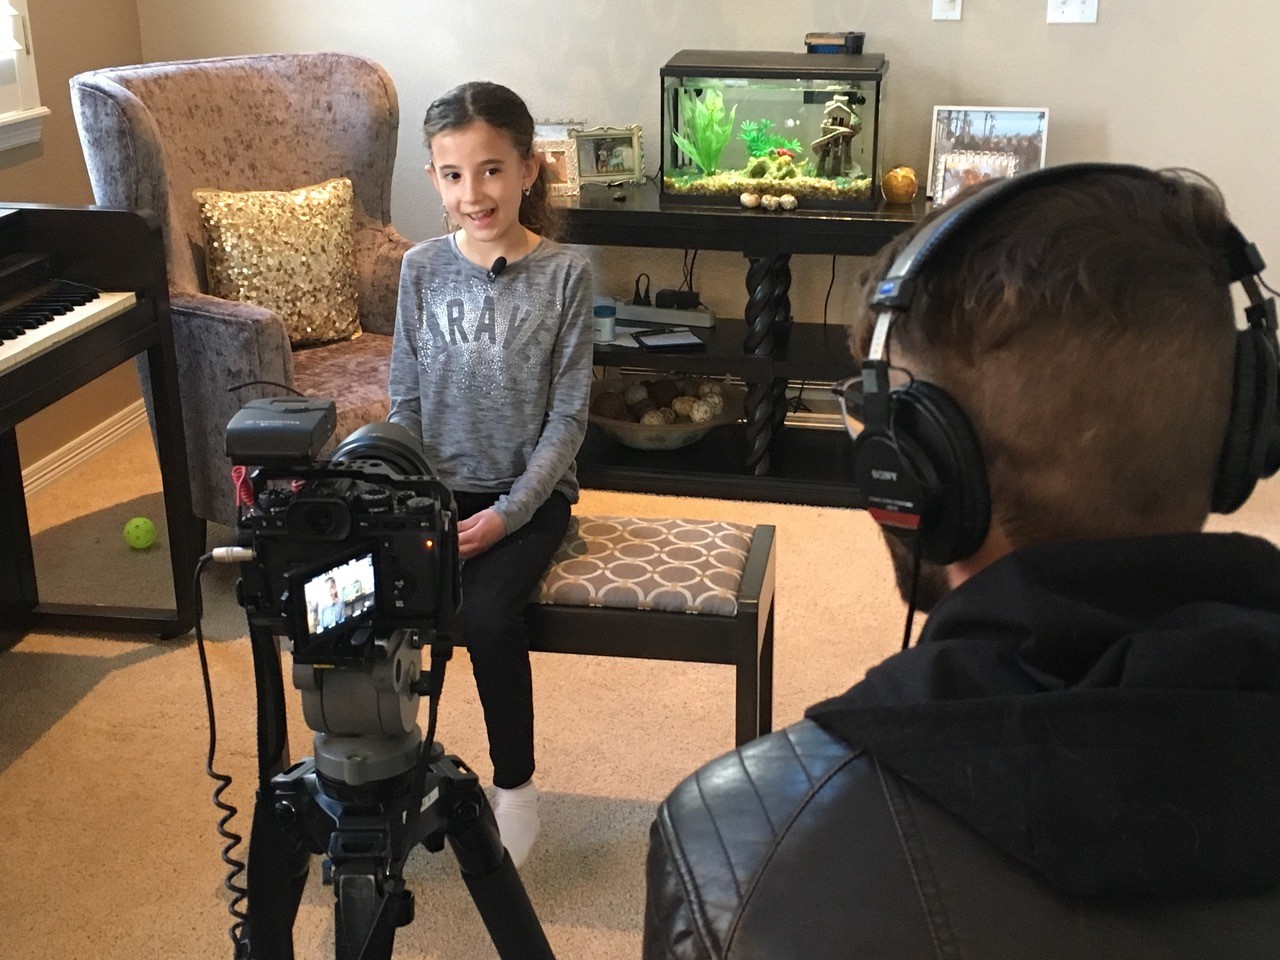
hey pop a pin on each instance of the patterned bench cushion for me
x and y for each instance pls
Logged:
(684, 566)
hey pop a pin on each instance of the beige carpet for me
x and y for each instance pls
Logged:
(108, 848)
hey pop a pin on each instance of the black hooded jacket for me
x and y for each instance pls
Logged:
(1080, 758)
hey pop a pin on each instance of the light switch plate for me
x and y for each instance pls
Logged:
(1072, 11)
(947, 9)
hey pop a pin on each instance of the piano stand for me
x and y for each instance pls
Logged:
(110, 250)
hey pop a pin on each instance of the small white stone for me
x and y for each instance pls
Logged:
(787, 202)
(750, 200)
(769, 202)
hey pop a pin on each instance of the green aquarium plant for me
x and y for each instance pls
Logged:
(706, 127)
(759, 141)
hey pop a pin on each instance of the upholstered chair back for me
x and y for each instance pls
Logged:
(154, 133)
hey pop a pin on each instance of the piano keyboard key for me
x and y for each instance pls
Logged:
(40, 324)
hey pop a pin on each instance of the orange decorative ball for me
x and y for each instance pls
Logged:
(899, 185)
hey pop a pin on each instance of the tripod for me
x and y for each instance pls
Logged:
(365, 801)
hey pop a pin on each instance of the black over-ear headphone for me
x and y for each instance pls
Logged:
(917, 459)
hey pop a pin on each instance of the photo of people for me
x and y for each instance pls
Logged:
(1016, 132)
(606, 155)
(609, 155)
(338, 594)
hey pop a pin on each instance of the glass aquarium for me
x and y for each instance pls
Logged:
(742, 126)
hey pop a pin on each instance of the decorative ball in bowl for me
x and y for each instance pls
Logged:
(663, 412)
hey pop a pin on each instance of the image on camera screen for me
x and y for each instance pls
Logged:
(338, 594)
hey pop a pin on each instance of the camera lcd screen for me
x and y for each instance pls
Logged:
(339, 594)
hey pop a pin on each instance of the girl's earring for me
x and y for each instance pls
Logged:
(528, 190)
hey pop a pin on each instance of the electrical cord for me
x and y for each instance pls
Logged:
(797, 404)
(433, 696)
(267, 383)
(239, 893)
(687, 270)
(830, 286)
(641, 299)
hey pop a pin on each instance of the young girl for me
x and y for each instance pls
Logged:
(491, 364)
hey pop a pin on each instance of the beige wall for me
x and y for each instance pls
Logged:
(1158, 82)
(69, 36)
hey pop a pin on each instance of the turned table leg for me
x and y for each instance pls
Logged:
(768, 317)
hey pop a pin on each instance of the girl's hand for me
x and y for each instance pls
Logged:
(479, 532)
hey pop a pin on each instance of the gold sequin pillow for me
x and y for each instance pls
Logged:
(291, 251)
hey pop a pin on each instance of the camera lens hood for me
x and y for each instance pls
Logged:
(390, 444)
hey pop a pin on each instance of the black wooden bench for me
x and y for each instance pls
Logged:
(699, 592)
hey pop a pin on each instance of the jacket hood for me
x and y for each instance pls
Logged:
(1106, 712)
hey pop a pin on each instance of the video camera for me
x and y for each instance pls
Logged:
(348, 550)
(354, 561)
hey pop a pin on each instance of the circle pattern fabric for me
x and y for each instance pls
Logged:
(681, 566)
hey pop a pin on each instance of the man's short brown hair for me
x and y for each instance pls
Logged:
(1087, 330)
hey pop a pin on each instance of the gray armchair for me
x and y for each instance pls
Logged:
(153, 133)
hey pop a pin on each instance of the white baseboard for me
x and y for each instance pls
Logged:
(83, 447)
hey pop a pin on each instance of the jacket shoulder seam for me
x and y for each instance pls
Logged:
(815, 786)
(919, 865)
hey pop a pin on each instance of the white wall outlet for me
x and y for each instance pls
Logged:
(1072, 11)
(947, 9)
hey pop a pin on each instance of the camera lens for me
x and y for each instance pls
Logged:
(389, 443)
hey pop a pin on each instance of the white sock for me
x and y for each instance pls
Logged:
(516, 811)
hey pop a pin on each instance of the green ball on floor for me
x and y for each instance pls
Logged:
(139, 533)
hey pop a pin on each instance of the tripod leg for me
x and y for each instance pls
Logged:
(277, 874)
(493, 882)
(278, 857)
(273, 729)
(365, 919)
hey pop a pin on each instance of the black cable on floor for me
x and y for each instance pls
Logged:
(239, 893)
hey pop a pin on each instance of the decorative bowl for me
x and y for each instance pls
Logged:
(663, 436)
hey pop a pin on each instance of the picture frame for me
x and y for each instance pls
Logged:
(560, 158)
(1020, 132)
(610, 155)
(556, 129)
(962, 168)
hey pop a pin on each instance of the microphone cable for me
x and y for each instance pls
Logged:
(236, 867)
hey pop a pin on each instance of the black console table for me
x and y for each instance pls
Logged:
(759, 459)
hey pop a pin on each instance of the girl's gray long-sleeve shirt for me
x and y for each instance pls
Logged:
(494, 374)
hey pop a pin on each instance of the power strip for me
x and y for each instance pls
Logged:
(659, 316)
